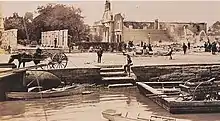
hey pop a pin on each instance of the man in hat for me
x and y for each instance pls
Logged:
(99, 53)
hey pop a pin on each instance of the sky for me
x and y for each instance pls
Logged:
(182, 11)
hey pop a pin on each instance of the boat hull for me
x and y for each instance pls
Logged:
(112, 115)
(50, 94)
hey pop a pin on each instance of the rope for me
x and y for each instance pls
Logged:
(41, 96)
(194, 92)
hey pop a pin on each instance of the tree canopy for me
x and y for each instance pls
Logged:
(50, 17)
(15, 22)
(57, 17)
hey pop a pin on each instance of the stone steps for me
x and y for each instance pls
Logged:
(120, 85)
(112, 70)
(118, 80)
(113, 74)
(109, 66)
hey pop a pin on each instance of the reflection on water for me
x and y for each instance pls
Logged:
(89, 107)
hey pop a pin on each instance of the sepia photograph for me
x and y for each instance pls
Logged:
(109, 60)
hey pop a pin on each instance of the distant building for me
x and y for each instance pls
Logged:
(96, 30)
(9, 38)
(114, 29)
(48, 37)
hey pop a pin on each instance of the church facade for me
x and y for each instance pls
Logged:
(113, 28)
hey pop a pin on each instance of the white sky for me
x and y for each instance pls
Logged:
(185, 11)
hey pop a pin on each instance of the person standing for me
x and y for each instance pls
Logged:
(214, 48)
(55, 43)
(99, 53)
(128, 65)
(144, 48)
(188, 45)
(184, 48)
(150, 47)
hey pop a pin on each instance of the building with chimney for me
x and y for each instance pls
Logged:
(114, 28)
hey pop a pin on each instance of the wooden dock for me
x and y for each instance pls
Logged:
(173, 103)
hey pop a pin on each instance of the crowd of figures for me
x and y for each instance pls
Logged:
(209, 47)
(131, 47)
(212, 47)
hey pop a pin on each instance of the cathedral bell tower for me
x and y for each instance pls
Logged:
(107, 21)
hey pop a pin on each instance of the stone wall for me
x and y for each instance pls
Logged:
(138, 35)
(178, 30)
(9, 37)
(78, 75)
(177, 72)
(10, 82)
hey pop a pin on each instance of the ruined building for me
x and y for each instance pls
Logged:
(113, 28)
(7, 37)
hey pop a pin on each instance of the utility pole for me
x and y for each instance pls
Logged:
(25, 27)
(148, 38)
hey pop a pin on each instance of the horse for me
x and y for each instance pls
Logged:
(23, 58)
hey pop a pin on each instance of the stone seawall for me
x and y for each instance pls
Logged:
(78, 75)
(10, 82)
(178, 72)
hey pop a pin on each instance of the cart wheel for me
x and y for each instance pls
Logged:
(47, 58)
(59, 60)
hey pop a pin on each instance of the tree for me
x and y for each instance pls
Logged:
(23, 24)
(29, 16)
(15, 22)
(58, 17)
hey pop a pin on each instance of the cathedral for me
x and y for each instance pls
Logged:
(114, 28)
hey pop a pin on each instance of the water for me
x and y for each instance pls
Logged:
(89, 107)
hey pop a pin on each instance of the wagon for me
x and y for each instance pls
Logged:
(54, 58)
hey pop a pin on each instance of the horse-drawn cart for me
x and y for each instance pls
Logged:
(58, 60)
(52, 58)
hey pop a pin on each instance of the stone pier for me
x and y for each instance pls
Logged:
(176, 72)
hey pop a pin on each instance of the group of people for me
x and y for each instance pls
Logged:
(185, 47)
(212, 47)
(145, 48)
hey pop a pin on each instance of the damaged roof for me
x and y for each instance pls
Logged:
(139, 25)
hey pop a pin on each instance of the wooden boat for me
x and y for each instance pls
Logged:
(113, 115)
(54, 92)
